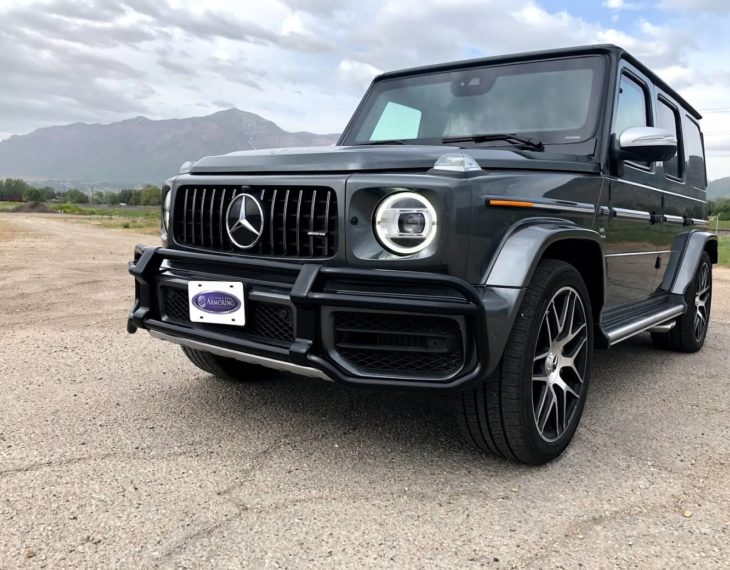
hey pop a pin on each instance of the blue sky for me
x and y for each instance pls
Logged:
(305, 63)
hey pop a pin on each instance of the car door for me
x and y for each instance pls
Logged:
(684, 200)
(633, 243)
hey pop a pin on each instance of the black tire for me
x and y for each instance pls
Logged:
(224, 367)
(685, 336)
(499, 416)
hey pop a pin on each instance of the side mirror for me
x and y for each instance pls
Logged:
(646, 144)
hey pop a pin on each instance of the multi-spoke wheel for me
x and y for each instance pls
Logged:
(530, 406)
(560, 364)
(690, 330)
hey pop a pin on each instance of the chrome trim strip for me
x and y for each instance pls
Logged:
(633, 214)
(637, 253)
(623, 181)
(698, 222)
(242, 356)
(632, 329)
(578, 207)
(673, 219)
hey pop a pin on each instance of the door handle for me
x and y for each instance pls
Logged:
(656, 218)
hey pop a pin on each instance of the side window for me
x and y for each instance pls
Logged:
(695, 154)
(668, 118)
(632, 109)
(397, 122)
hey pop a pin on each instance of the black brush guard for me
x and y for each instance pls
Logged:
(314, 294)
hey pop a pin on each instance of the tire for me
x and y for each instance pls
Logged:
(224, 367)
(690, 330)
(502, 415)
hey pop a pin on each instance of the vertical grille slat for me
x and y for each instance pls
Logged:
(311, 224)
(202, 217)
(283, 220)
(185, 216)
(212, 207)
(299, 218)
(221, 213)
(271, 221)
(300, 221)
(192, 215)
(327, 221)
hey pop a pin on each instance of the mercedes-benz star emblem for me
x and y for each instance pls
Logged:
(245, 221)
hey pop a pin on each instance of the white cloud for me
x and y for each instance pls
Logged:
(305, 63)
(622, 5)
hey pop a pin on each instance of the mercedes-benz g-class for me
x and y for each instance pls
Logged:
(478, 230)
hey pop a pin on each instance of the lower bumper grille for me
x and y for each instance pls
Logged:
(399, 344)
(266, 321)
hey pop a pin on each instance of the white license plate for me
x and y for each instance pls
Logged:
(217, 302)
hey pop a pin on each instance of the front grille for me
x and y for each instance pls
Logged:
(298, 221)
(265, 321)
(402, 345)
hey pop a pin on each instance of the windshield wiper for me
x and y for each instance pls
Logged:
(522, 142)
(394, 141)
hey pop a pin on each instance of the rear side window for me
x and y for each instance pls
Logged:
(695, 154)
(668, 118)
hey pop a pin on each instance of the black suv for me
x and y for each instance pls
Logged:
(479, 229)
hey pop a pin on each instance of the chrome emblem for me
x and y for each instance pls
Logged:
(244, 221)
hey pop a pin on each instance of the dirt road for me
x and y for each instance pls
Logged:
(116, 452)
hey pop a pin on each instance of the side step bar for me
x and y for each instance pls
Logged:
(656, 313)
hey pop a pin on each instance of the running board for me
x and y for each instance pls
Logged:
(623, 322)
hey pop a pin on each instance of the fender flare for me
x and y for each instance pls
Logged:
(687, 250)
(511, 270)
(523, 247)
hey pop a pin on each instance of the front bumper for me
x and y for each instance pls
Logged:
(376, 328)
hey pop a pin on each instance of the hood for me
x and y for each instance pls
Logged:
(380, 158)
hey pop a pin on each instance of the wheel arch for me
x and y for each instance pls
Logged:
(517, 259)
(687, 252)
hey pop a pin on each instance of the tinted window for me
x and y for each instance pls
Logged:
(668, 118)
(553, 101)
(633, 106)
(695, 154)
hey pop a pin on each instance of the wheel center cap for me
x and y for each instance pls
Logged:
(551, 363)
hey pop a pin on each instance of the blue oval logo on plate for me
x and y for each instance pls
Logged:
(216, 302)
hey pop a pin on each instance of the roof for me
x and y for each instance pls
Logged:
(601, 49)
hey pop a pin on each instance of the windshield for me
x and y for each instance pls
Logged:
(552, 101)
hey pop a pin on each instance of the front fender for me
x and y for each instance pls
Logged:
(510, 272)
(523, 247)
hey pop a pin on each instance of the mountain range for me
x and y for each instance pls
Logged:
(139, 150)
(719, 188)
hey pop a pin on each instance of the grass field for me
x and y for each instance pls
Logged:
(725, 251)
(141, 218)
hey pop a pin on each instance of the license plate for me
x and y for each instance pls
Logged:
(217, 302)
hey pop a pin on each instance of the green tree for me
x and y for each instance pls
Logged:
(47, 193)
(75, 196)
(31, 194)
(150, 196)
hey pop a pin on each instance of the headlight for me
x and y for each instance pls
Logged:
(405, 223)
(166, 209)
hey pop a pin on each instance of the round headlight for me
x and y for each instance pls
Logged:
(166, 209)
(405, 223)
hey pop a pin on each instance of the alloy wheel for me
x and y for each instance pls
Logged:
(559, 364)
(702, 299)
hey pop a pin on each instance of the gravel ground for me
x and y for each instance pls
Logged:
(116, 452)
